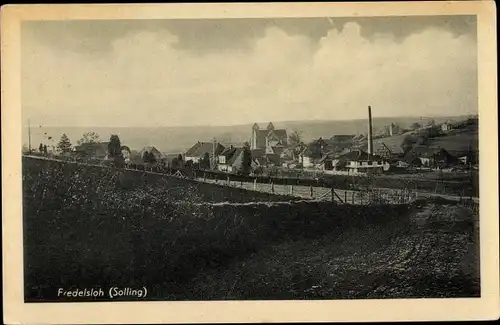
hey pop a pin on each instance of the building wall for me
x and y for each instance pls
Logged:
(426, 162)
(306, 161)
(193, 159)
(126, 154)
(225, 168)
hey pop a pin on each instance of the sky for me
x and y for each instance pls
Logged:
(237, 71)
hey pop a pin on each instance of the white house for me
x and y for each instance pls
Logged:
(126, 153)
(225, 157)
(360, 162)
(446, 127)
(305, 158)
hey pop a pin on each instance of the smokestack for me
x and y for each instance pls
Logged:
(370, 131)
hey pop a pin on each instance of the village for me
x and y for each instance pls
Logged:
(274, 158)
(269, 151)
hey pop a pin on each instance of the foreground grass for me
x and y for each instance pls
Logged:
(433, 256)
(83, 230)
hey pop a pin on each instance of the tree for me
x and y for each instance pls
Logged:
(180, 161)
(145, 157)
(114, 146)
(295, 143)
(205, 161)
(40, 148)
(294, 139)
(407, 144)
(431, 123)
(152, 158)
(415, 126)
(64, 144)
(89, 137)
(316, 148)
(45, 151)
(246, 161)
(115, 150)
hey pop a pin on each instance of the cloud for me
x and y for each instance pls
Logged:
(147, 80)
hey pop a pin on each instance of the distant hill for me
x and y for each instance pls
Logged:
(456, 142)
(179, 139)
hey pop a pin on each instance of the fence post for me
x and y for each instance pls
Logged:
(291, 190)
(332, 192)
(311, 189)
(228, 181)
(272, 187)
(352, 197)
(255, 184)
(345, 196)
(204, 177)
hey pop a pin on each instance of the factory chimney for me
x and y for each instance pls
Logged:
(370, 131)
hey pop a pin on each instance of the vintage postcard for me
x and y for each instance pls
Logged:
(277, 162)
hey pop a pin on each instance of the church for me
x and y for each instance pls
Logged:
(270, 139)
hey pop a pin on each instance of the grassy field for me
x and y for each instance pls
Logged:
(457, 142)
(81, 231)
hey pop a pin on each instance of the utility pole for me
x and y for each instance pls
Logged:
(29, 136)
(213, 154)
(469, 163)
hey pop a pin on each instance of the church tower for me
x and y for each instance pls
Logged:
(255, 128)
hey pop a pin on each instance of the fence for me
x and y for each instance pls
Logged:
(347, 190)
(469, 188)
(320, 193)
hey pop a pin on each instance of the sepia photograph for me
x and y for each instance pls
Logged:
(259, 158)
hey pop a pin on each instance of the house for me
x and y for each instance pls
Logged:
(92, 150)
(126, 153)
(393, 129)
(343, 141)
(273, 160)
(152, 150)
(384, 151)
(224, 158)
(339, 139)
(359, 139)
(274, 150)
(329, 161)
(269, 137)
(429, 157)
(446, 127)
(258, 152)
(313, 152)
(306, 158)
(287, 156)
(198, 151)
(361, 162)
(231, 160)
(402, 164)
